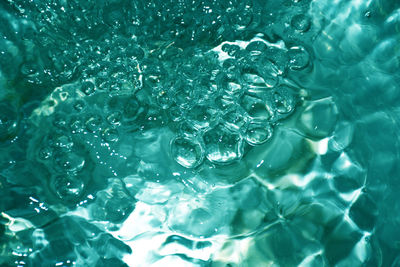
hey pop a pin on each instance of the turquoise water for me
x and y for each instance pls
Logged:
(199, 133)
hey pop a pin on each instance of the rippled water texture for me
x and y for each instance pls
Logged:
(199, 133)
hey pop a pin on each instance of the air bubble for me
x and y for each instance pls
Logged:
(222, 146)
(284, 101)
(79, 105)
(256, 48)
(301, 23)
(298, 58)
(110, 135)
(88, 88)
(131, 109)
(69, 162)
(234, 120)
(93, 123)
(114, 118)
(187, 151)
(77, 126)
(200, 116)
(258, 133)
(255, 107)
(63, 142)
(45, 153)
(8, 121)
(67, 187)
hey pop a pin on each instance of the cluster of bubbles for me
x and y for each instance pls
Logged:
(235, 99)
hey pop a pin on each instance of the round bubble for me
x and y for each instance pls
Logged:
(258, 133)
(88, 88)
(187, 151)
(301, 23)
(110, 135)
(299, 58)
(67, 187)
(223, 146)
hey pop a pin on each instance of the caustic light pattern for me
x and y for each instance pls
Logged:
(199, 133)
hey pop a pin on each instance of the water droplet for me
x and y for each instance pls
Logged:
(222, 146)
(258, 133)
(256, 48)
(301, 23)
(187, 151)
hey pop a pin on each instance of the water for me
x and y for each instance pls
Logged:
(199, 133)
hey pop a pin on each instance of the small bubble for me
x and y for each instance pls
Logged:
(77, 125)
(222, 146)
(231, 50)
(235, 120)
(256, 48)
(163, 99)
(8, 121)
(255, 107)
(187, 151)
(69, 161)
(67, 187)
(110, 135)
(63, 142)
(258, 133)
(301, 23)
(79, 105)
(93, 123)
(114, 118)
(200, 116)
(45, 153)
(88, 88)
(131, 109)
(284, 101)
(298, 58)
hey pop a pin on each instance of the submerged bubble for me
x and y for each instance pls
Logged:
(298, 58)
(67, 187)
(301, 23)
(88, 88)
(110, 135)
(222, 146)
(255, 107)
(93, 123)
(69, 161)
(283, 100)
(258, 133)
(114, 118)
(8, 121)
(187, 151)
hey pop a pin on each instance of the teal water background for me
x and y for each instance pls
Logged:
(199, 133)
